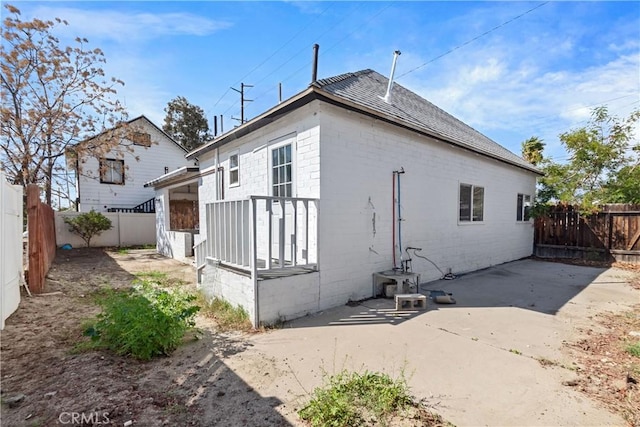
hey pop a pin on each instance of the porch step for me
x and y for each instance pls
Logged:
(418, 301)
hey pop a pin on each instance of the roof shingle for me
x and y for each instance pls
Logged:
(367, 88)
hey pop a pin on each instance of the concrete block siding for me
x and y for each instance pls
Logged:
(358, 157)
(347, 160)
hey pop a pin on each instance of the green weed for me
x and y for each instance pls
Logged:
(142, 322)
(227, 316)
(350, 398)
(634, 349)
(514, 351)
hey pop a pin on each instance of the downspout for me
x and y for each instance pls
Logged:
(393, 218)
(217, 173)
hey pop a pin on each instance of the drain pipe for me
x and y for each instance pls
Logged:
(401, 171)
(393, 218)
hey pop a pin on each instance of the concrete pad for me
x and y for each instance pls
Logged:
(476, 361)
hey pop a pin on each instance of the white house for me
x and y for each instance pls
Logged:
(300, 206)
(116, 181)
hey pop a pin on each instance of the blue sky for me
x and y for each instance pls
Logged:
(538, 74)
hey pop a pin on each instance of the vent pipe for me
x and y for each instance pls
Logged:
(314, 71)
(215, 126)
(393, 70)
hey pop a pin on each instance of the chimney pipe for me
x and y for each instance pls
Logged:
(393, 70)
(215, 126)
(314, 72)
(221, 128)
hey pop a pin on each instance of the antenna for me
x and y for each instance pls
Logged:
(242, 101)
(387, 96)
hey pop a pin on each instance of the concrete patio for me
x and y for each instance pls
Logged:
(476, 362)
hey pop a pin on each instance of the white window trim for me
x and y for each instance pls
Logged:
(524, 205)
(484, 198)
(289, 139)
(233, 169)
(108, 165)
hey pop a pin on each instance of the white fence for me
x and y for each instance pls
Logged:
(129, 229)
(11, 252)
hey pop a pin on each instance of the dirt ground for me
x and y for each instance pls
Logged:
(98, 388)
(193, 386)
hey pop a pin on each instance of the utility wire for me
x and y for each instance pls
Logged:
(322, 52)
(295, 55)
(472, 40)
(303, 29)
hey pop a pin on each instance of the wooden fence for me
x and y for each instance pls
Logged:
(613, 232)
(42, 239)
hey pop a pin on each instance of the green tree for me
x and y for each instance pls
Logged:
(53, 98)
(186, 123)
(532, 150)
(88, 225)
(603, 165)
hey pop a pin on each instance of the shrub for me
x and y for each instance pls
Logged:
(349, 398)
(88, 225)
(143, 322)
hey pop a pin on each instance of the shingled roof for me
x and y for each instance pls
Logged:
(363, 91)
(367, 88)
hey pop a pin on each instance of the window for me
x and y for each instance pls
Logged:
(471, 203)
(141, 138)
(281, 183)
(523, 207)
(234, 170)
(112, 171)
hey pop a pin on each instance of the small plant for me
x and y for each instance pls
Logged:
(634, 349)
(123, 251)
(350, 398)
(514, 351)
(226, 315)
(88, 225)
(143, 322)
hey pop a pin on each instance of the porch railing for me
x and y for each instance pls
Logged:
(261, 233)
(200, 254)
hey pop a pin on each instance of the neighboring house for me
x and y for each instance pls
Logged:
(299, 207)
(115, 182)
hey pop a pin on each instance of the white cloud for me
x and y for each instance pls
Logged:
(128, 27)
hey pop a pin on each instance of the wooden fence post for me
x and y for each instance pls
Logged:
(36, 265)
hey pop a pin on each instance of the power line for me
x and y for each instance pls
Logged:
(473, 39)
(322, 52)
(303, 29)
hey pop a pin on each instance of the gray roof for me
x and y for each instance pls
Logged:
(367, 88)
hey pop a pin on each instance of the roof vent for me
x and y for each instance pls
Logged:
(393, 70)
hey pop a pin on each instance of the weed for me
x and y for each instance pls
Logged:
(474, 339)
(226, 315)
(546, 362)
(123, 251)
(634, 349)
(350, 398)
(143, 322)
(514, 351)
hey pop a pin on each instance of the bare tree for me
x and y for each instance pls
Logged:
(53, 98)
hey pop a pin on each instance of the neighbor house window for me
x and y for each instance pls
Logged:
(281, 171)
(234, 170)
(112, 171)
(471, 203)
(523, 207)
(141, 138)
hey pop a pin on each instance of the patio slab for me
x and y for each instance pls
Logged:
(476, 362)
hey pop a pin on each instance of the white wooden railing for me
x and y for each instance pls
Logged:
(261, 233)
